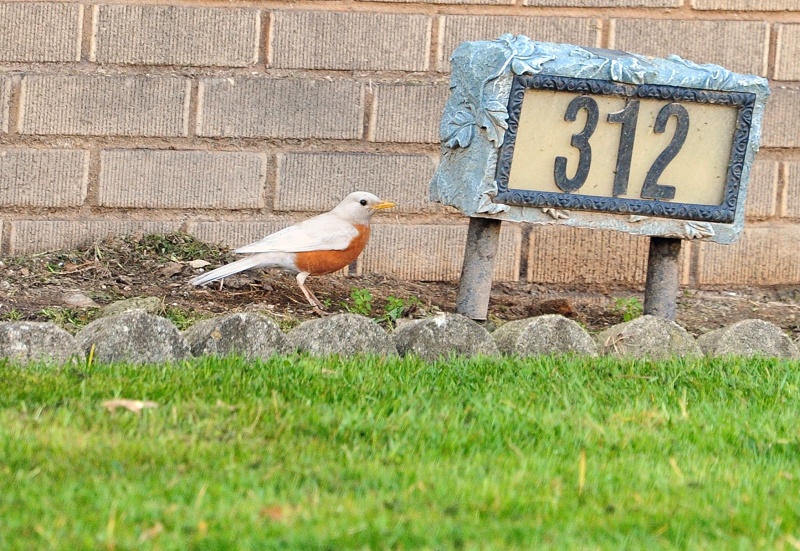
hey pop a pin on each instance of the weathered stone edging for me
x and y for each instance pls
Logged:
(139, 337)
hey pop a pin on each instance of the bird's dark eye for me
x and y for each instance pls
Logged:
(363, 202)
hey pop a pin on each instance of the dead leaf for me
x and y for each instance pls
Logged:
(70, 267)
(136, 406)
(274, 513)
(171, 269)
(150, 533)
(198, 263)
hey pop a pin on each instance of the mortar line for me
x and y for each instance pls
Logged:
(370, 102)
(193, 111)
(782, 191)
(772, 51)
(15, 108)
(88, 32)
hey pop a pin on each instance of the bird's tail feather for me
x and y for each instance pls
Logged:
(228, 269)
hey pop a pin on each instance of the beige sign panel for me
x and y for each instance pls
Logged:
(687, 155)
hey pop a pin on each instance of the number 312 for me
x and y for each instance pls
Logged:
(628, 118)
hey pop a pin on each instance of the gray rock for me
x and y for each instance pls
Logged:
(27, 341)
(749, 338)
(443, 335)
(548, 334)
(248, 335)
(133, 336)
(648, 337)
(151, 305)
(343, 334)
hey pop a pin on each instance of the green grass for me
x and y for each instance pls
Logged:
(298, 453)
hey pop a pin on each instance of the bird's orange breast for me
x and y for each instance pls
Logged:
(326, 262)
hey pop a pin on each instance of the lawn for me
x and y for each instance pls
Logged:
(303, 453)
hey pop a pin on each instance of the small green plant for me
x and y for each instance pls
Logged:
(183, 319)
(68, 318)
(396, 307)
(287, 323)
(12, 315)
(628, 307)
(361, 302)
(176, 247)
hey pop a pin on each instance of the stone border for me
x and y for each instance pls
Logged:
(138, 337)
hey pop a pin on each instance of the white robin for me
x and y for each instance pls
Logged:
(320, 245)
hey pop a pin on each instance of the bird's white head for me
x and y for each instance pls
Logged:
(359, 206)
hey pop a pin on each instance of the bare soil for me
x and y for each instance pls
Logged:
(69, 287)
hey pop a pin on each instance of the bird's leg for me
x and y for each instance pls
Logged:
(314, 301)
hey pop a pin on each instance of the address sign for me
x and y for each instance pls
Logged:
(552, 133)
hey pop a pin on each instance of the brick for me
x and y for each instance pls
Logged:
(605, 3)
(791, 195)
(174, 35)
(40, 31)
(5, 97)
(787, 57)
(763, 190)
(408, 113)
(350, 41)
(288, 108)
(43, 177)
(736, 45)
(104, 105)
(143, 178)
(781, 126)
(766, 255)
(318, 181)
(746, 5)
(583, 31)
(32, 236)
(433, 253)
(566, 255)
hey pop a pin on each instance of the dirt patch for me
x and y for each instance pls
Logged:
(69, 287)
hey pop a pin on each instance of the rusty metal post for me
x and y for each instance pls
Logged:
(476, 273)
(661, 287)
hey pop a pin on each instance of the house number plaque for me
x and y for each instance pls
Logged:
(558, 134)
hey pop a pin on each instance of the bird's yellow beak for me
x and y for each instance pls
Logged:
(383, 205)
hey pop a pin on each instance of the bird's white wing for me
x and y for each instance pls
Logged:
(326, 232)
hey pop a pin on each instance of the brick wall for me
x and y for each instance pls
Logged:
(231, 119)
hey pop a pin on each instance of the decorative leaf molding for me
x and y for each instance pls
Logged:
(698, 230)
(460, 129)
(556, 214)
(487, 190)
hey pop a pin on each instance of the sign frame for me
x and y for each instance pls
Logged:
(724, 212)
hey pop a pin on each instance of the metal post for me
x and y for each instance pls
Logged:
(661, 288)
(476, 273)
